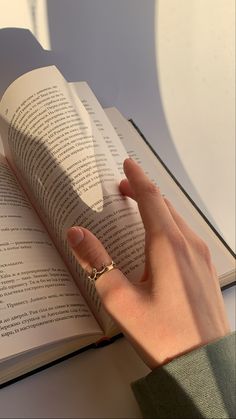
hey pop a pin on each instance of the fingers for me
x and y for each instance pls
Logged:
(151, 203)
(181, 223)
(90, 254)
(88, 249)
(126, 189)
(154, 212)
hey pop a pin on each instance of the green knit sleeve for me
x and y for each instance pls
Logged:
(200, 384)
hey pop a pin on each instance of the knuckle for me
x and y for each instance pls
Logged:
(178, 240)
(150, 189)
(203, 250)
(92, 258)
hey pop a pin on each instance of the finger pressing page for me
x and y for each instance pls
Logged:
(126, 189)
(154, 212)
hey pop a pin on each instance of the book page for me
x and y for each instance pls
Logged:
(39, 302)
(69, 171)
(139, 150)
(101, 121)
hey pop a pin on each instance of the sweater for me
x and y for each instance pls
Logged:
(199, 384)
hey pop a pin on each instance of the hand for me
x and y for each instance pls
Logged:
(176, 305)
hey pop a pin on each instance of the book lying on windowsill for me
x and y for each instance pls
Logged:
(62, 165)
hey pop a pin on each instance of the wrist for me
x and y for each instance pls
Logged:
(175, 350)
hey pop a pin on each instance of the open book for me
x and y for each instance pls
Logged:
(62, 166)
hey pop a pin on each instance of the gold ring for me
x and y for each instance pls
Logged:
(105, 268)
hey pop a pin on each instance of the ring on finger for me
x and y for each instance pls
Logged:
(96, 273)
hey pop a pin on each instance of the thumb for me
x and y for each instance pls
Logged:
(90, 253)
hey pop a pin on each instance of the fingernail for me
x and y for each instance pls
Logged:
(130, 160)
(133, 161)
(75, 236)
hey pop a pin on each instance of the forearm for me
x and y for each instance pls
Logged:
(198, 384)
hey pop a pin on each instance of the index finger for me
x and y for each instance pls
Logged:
(154, 212)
